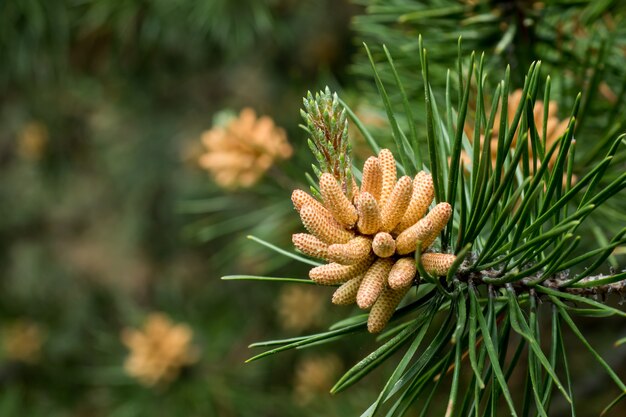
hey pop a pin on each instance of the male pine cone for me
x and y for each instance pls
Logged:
(369, 241)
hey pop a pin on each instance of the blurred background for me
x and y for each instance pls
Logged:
(106, 215)
(114, 232)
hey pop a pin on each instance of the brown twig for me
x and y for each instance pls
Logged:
(555, 283)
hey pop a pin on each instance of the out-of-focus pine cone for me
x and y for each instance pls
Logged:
(555, 128)
(22, 341)
(299, 307)
(369, 241)
(159, 351)
(314, 376)
(238, 154)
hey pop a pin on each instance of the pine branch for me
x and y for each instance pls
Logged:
(555, 282)
(516, 200)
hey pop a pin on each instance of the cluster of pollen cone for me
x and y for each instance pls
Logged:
(369, 237)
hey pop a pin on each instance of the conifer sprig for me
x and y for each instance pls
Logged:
(518, 222)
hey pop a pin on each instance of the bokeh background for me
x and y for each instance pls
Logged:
(106, 217)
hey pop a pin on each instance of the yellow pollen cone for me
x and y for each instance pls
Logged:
(396, 205)
(351, 252)
(334, 273)
(388, 167)
(372, 177)
(383, 245)
(373, 282)
(301, 198)
(402, 273)
(437, 264)
(423, 194)
(369, 214)
(369, 235)
(384, 308)
(310, 245)
(346, 294)
(324, 228)
(439, 215)
(336, 201)
(406, 242)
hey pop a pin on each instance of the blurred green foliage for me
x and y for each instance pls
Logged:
(101, 108)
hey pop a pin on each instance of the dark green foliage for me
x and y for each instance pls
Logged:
(580, 44)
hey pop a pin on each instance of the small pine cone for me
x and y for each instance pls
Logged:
(369, 214)
(406, 242)
(334, 273)
(346, 294)
(437, 264)
(373, 282)
(423, 194)
(402, 273)
(384, 308)
(301, 198)
(388, 168)
(336, 201)
(395, 207)
(310, 245)
(324, 228)
(383, 245)
(351, 252)
(439, 215)
(372, 177)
